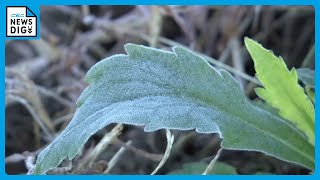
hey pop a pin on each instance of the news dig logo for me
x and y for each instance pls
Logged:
(21, 22)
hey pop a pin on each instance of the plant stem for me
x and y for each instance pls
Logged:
(170, 139)
(213, 161)
(309, 59)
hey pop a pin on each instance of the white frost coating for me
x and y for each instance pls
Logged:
(174, 90)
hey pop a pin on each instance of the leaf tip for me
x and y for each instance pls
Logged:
(247, 41)
(250, 44)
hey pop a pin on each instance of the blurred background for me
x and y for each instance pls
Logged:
(44, 77)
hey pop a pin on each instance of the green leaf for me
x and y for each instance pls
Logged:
(174, 90)
(306, 75)
(265, 106)
(199, 167)
(281, 89)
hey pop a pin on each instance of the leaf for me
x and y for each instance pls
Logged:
(265, 106)
(281, 89)
(199, 167)
(306, 75)
(173, 90)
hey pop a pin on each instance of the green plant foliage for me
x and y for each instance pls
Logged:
(265, 106)
(306, 75)
(173, 90)
(281, 89)
(219, 168)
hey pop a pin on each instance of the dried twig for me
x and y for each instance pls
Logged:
(237, 59)
(153, 157)
(155, 25)
(58, 98)
(101, 146)
(115, 158)
(309, 59)
(14, 158)
(170, 139)
(33, 114)
(211, 164)
(65, 118)
(22, 89)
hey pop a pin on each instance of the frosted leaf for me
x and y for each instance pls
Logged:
(174, 90)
